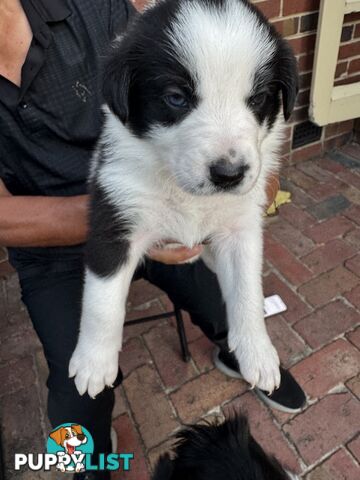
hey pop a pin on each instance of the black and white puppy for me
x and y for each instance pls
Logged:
(225, 451)
(196, 93)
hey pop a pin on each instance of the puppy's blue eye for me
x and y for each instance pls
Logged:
(258, 100)
(176, 100)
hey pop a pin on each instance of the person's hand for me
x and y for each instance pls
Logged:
(174, 256)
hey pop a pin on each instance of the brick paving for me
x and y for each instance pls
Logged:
(312, 261)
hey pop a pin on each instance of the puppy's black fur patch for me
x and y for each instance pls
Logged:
(280, 75)
(224, 451)
(107, 247)
(141, 71)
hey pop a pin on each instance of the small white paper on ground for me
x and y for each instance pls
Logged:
(274, 305)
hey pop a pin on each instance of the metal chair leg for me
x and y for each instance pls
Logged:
(182, 335)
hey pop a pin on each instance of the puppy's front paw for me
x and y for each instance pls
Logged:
(259, 363)
(93, 368)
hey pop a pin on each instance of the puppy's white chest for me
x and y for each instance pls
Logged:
(194, 220)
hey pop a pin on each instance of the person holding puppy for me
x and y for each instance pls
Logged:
(50, 119)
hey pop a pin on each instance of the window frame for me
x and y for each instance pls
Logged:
(329, 103)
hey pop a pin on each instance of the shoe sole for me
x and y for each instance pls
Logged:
(232, 374)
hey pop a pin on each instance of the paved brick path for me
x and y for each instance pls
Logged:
(313, 262)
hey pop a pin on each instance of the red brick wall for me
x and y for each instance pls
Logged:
(297, 21)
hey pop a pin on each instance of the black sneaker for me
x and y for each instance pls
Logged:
(288, 398)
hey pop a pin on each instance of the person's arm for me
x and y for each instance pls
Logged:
(27, 221)
(58, 221)
(62, 221)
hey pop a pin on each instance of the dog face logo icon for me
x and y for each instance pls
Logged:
(69, 437)
(70, 442)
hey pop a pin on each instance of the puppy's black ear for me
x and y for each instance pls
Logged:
(288, 78)
(164, 468)
(238, 425)
(116, 84)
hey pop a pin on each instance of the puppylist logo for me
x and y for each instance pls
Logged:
(70, 448)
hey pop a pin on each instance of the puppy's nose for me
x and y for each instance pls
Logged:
(227, 175)
(80, 436)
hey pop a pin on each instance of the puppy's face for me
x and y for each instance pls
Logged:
(202, 81)
(219, 452)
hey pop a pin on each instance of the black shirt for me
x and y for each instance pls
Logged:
(49, 126)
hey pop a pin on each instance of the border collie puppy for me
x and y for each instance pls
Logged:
(196, 92)
(224, 451)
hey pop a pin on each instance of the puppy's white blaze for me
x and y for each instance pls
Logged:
(223, 46)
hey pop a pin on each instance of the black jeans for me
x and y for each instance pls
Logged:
(53, 299)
